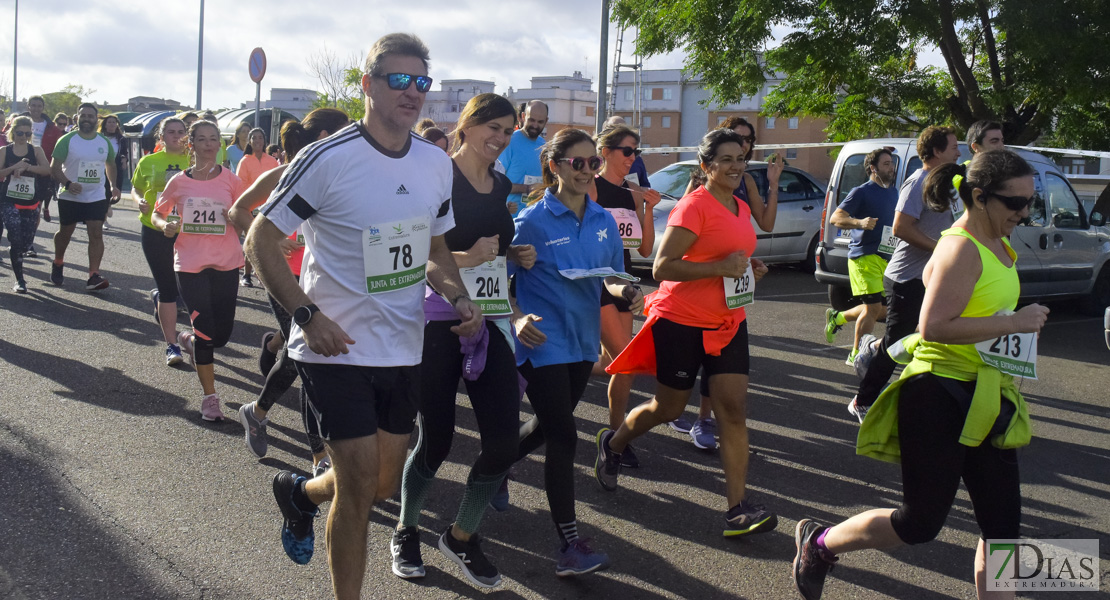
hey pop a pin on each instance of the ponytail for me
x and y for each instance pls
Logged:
(942, 182)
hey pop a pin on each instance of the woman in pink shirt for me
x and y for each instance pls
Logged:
(207, 254)
(254, 163)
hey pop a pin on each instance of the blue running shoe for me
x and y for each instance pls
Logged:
(579, 558)
(297, 536)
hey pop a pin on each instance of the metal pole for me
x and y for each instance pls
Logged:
(257, 102)
(15, 62)
(200, 53)
(603, 68)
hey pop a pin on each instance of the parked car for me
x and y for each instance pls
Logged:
(794, 238)
(1062, 251)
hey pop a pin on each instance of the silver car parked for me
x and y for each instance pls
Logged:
(800, 198)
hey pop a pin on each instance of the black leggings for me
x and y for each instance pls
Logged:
(930, 420)
(281, 378)
(554, 392)
(158, 250)
(495, 396)
(210, 296)
(903, 311)
(20, 233)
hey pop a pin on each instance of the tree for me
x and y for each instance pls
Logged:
(1033, 65)
(67, 100)
(340, 81)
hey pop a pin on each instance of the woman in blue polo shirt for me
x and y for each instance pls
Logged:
(577, 243)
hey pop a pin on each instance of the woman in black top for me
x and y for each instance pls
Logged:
(631, 206)
(480, 242)
(25, 176)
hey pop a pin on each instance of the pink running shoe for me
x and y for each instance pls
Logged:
(210, 408)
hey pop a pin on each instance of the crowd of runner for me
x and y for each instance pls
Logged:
(399, 262)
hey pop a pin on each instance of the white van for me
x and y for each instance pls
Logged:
(1062, 251)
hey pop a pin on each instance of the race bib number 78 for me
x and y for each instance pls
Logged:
(395, 255)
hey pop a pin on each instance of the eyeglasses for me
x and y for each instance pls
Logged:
(593, 162)
(21, 133)
(1014, 203)
(627, 150)
(402, 81)
(748, 138)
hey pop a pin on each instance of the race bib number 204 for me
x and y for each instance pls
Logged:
(395, 255)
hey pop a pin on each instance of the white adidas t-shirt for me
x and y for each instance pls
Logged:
(368, 217)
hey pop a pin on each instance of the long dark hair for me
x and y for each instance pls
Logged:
(557, 148)
(987, 171)
(482, 108)
(250, 150)
(295, 136)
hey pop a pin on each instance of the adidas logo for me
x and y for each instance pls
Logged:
(402, 190)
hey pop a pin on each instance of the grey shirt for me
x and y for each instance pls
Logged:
(908, 262)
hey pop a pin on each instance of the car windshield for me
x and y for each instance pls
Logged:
(672, 180)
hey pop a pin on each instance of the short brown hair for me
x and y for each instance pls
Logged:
(932, 140)
(482, 108)
(403, 44)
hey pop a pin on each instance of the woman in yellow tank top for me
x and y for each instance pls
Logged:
(955, 413)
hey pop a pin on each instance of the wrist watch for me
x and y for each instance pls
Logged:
(304, 314)
(459, 297)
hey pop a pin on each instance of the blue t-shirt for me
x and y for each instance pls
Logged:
(571, 319)
(867, 201)
(521, 158)
(640, 170)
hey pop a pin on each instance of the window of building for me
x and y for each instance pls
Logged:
(770, 123)
(629, 94)
(791, 153)
(589, 110)
(667, 93)
(656, 93)
(665, 121)
(647, 122)
(647, 93)
(793, 124)
(720, 121)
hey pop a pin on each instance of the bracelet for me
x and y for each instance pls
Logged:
(457, 298)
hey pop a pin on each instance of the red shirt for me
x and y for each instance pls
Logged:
(701, 303)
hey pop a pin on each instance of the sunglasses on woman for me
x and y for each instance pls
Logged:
(627, 150)
(1014, 203)
(21, 133)
(593, 162)
(402, 81)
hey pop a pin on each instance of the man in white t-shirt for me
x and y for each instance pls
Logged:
(373, 202)
(82, 161)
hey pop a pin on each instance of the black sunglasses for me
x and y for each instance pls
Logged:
(22, 133)
(594, 162)
(627, 150)
(1014, 203)
(402, 81)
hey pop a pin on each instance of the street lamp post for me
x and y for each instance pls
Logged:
(15, 61)
(200, 52)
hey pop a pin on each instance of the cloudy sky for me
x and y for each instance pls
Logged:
(126, 48)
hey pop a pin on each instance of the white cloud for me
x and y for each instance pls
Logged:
(128, 48)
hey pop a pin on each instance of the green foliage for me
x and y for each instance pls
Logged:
(66, 101)
(350, 99)
(1039, 67)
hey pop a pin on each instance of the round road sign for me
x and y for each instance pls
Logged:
(257, 65)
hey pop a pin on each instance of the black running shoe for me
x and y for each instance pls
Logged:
(811, 564)
(56, 274)
(748, 518)
(96, 283)
(468, 555)
(297, 537)
(405, 547)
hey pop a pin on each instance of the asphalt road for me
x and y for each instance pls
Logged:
(112, 487)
